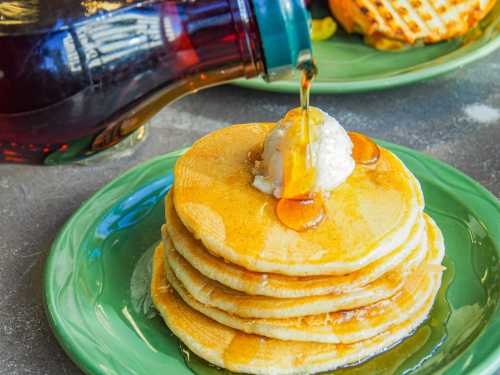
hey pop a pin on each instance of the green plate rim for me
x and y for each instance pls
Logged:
(377, 83)
(70, 347)
(80, 357)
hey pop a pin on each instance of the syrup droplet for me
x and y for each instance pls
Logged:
(364, 150)
(300, 215)
(299, 209)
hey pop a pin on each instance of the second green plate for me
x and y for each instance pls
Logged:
(346, 64)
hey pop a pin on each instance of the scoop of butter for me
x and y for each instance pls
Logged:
(297, 162)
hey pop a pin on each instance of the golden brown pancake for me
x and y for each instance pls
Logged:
(337, 327)
(395, 24)
(212, 293)
(240, 352)
(367, 217)
(276, 285)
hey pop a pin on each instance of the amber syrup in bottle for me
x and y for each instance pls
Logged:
(77, 79)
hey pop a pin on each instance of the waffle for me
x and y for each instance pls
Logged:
(390, 25)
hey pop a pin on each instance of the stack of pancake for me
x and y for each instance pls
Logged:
(248, 294)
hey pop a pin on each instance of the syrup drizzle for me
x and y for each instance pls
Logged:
(300, 214)
(300, 207)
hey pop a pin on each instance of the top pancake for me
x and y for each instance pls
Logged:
(273, 284)
(367, 217)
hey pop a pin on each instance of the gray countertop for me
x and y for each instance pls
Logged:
(455, 118)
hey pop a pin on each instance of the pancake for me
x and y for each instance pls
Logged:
(367, 217)
(336, 327)
(276, 285)
(236, 351)
(214, 294)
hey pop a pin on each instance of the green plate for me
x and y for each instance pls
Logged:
(346, 64)
(96, 279)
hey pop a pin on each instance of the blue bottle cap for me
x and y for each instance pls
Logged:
(284, 34)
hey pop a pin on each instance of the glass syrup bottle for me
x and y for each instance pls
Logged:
(77, 77)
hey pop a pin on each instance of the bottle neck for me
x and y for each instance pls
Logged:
(209, 36)
(250, 43)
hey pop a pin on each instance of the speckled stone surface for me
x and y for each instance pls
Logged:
(455, 118)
